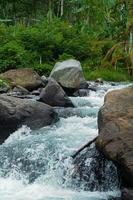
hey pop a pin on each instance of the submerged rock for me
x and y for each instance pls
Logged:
(127, 194)
(115, 122)
(54, 95)
(68, 73)
(15, 112)
(93, 171)
(25, 77)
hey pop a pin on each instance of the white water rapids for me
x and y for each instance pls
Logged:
(35, 165)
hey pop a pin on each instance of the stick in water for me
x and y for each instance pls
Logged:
(83, 147)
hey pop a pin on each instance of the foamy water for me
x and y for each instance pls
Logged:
(36, 165)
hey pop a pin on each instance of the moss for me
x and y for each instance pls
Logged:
(3, 82)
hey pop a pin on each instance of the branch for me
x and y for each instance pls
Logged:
(83, 147)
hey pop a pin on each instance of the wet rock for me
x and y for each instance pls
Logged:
(84, 85)
(25, 77)
(115, 123)
(81, 93)
(35, 92)
(113, 84)
(23, 96)
(99, 80)
(54, 95)
(93, 171)
(44, 79)
(20, 90)
(93, 88)
(69, 91)
(114, 198)
(127, 194)
(15, 112)
(68, 73)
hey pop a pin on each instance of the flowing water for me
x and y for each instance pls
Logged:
(37, 165)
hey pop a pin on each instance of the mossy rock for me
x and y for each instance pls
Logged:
(25, 77)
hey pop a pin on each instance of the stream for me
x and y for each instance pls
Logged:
(37, 165)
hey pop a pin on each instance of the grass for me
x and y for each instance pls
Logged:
(108, 75)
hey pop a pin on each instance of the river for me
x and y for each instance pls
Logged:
(37, 165)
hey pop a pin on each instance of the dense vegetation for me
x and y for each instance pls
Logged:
(98, 33)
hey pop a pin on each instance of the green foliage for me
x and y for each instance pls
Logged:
(43, 69)
(3, 83)
(37, 34)
(108, 75)
(12, 55)
(65, 56)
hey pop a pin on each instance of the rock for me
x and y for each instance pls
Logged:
(15, 112)
(84, 85)
(69, 91)
(81, 93)
(115, 123)
(94, 171)
(93, 88)
(54, 95)
(44, 79)
(127, 194)
(22, 96)
(25, 77)
(113, 84)
(20, 90)
(35, 92)
(68, 73)
(99, 80)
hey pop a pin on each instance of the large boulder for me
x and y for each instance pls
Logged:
(68, 73)
(115, 123)
(54, 95)
(25, 77)
(15, 112)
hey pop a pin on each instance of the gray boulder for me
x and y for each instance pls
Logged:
(54, 95)
(68, 73)
(15, 112)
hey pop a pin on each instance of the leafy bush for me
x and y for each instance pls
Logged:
(47, 42)
(3, 83)
(12, 55)
(43, 69)
(65, 56)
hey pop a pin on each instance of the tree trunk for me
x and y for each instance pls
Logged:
(62, 8)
